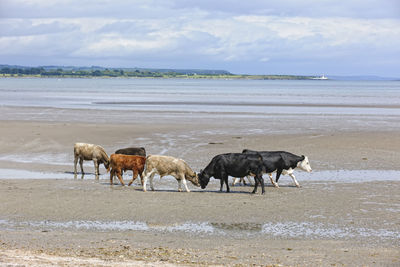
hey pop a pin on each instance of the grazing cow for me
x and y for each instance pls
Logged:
(233, 164)
(285, 163)
(166, 165)
(138, 151)
(83, 151)
(120, 163)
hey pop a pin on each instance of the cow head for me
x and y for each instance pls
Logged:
(304, 164)
(203, 179)
(193, 178)
(107, 165)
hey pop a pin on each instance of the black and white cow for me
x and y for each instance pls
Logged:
(283, 163)
(233, 164)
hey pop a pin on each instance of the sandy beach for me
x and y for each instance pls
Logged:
(345, 214)
(345, 222)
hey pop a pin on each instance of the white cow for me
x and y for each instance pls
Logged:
(166, 165)
(83, 151)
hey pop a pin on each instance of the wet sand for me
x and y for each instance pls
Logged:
(65, 221)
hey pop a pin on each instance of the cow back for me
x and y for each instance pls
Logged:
(139, 151)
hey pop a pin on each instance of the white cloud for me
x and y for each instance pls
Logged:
(177, 34)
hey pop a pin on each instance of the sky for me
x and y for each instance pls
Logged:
(307, 37)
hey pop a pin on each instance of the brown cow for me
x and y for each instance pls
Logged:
(120, 163)
(166, 165)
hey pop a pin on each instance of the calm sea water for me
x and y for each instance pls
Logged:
(236, 96)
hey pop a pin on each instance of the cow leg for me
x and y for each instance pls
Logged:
(294, 180)
(147, 175)
(272, 180)
(234, 181)
(227, 185)
(141, 178)
(262, 184)
(75, 162)
(222, 184)
(278, 174)
(81, 163)
(256, 181)
(179, 185)
(185, 184)
(112, 177)
(183, 180)
(248, 179)
(145, 182)
(120, 177)
(134, 176)
(96, 167)
(151, 181)
(224, 179)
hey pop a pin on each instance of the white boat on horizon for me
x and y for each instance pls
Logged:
(323, 77)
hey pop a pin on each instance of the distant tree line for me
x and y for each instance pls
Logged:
(76, 73)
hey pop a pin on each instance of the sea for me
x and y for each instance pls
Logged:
(236, 97)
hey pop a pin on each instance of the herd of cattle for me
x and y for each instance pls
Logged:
(238, 165)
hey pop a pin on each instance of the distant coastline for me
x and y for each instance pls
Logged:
(16, 71)
(101, 72)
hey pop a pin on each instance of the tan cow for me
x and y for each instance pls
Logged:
(120, 163)
(166, 165)
(83, 151)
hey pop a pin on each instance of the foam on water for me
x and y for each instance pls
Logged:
(320, 230)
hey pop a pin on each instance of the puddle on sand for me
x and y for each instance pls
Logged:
(307, 230)
(25, 174)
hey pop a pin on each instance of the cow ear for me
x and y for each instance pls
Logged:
(302, 157)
